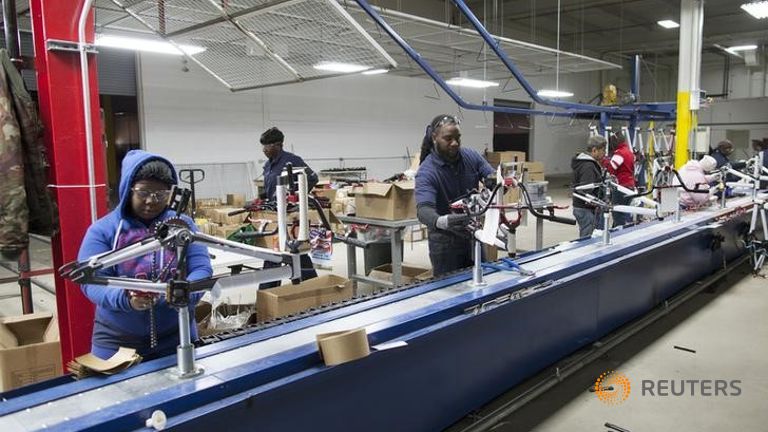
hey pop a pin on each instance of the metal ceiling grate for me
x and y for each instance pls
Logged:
(258, 43)
(451, 49)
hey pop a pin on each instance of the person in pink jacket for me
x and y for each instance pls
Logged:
(694, 175)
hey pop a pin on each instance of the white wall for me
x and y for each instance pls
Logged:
(190, 117)
(746, 108)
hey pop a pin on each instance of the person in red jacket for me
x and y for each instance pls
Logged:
(622, 165)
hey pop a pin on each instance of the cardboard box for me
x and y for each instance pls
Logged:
(220, 216)
(536, 176)
(390, 201)
(289, 299)
(410, 273)
(495, 158)
(537, 167)
(236, 200)
(207, 203)
(512, 196)
(30, 350)
(224, 231)
(415, 233)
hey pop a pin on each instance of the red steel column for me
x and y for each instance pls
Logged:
(61, 110)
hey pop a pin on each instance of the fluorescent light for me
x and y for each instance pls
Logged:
(375, 71)
(668, 24)
(554, 93)
(138, 44)
(758, 9)
(735, 49)
(469, 82)
(340, 67)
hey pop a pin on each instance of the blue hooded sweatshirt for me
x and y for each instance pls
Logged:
(117, 323)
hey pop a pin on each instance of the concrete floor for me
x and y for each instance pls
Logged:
(727, 327)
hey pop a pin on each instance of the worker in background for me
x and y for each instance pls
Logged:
(277, 158)
(722, 154)
(123, 317)
(587, 169)
(695, 176)
(448, 172)
(622, 165)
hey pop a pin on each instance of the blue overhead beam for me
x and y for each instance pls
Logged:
(640, 112)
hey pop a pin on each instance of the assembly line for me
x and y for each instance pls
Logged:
(149, 249)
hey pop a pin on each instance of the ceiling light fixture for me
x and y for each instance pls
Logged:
(375, 71)
(554, 93)
(469, 82)
(340, 67)
(146, 45)
(739, 48)
(668, 24)
(758, 9)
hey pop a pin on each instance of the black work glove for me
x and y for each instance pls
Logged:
(452, 222)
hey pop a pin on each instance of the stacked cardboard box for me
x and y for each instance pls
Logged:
(496, 158)
(416, 233)
(535, 171)
(236, 200)
(389, 201)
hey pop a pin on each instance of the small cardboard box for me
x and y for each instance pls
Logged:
(220, 216)
(289, 299)
(415, 233)
(495, 158)
(512, 196)
(389, 201)
(536, 176)
(236, 200)
(410, 273)
(534, 167)
(30, 350)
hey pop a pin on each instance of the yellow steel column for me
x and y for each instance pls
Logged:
(689, 65)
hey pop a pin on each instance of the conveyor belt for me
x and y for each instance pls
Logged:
(91, 402)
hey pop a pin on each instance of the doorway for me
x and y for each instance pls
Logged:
(121, 134)
(512, 132)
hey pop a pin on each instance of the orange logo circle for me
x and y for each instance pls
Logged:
(612, 388)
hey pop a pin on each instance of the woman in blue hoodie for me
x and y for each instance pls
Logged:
(123, 317)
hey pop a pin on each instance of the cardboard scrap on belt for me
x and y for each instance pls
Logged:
(88, 364)
(343, 346)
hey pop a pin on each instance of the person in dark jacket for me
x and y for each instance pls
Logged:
(586, 169)
(722, 155)
(447, 173)
(123, 317)
(272, 146)
(277, 158)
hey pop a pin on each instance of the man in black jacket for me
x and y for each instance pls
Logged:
(586, 169)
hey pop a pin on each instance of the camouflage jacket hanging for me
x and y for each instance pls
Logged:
(43, 216)
(13, 197)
